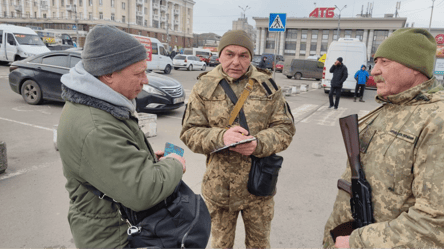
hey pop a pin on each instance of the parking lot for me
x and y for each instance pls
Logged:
(34, 202)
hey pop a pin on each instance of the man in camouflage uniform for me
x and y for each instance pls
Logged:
(402, 145)
(205, 128)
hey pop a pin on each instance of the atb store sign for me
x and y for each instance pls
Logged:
(323, 12)
(439, 39)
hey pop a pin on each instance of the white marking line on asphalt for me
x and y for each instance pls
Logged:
(299, 113)
(23, 171)
(35, 126)
(325, 116)
(362, 113)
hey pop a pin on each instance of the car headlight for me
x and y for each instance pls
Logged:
(150, 89)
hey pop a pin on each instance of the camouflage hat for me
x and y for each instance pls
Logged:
(413, 48)
(236, 37)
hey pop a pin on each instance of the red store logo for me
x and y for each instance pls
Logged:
(439, 39)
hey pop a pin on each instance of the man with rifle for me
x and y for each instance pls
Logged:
(400, 164)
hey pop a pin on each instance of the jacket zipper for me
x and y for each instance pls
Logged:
(193, 223)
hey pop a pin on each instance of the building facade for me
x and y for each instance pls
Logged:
(242, 24)
(170, 21)
(312, 36)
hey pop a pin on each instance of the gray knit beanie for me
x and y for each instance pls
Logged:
(236, 37)
(108, 49)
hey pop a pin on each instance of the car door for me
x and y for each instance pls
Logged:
(154, 63)
(163, 58)
(11, 47)
(49, 72)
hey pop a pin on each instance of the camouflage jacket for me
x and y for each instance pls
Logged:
(402, 154)
(206, 119)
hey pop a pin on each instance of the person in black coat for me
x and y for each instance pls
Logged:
(340, 74)
(263, 63)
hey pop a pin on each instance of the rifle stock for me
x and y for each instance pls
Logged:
(360, 201)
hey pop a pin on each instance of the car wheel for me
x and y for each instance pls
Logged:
(31, 92)
(167, 69)
(318, 79)
(176, 68)
(298, 76)
(190, 67)
(326, 91)
(289, 76)
(204, 67)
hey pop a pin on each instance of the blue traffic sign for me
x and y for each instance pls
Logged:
(277, 22)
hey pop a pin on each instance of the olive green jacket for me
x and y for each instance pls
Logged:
(102, 145)
(206, 119)
(402, 154)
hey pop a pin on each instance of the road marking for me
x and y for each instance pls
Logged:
(325, 116)
(18, 109)
(362, 113)
(300, 112)
(23, 171)
(35, 126)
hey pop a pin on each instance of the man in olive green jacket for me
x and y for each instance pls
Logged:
(402, 145)
(205, 129)
(101, 144)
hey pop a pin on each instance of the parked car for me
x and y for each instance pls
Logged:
(190, 62)
(303, 68)
(214, 60)
(204, 58)
(270, 62)
(38, 78)
(279, 66)
(256, 60)
(370, 84)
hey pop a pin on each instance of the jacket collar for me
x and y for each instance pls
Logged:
(423, 91)
(119, 112)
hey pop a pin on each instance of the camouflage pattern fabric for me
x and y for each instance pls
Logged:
(257, 219)
(204, 124)
(402, 145)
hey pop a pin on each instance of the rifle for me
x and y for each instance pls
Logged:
(361, 195)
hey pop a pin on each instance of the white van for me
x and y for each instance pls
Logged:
(353, 53)
(17, 43)
(157, 56)
(197, 52)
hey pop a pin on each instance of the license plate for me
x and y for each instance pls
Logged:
(179, 100)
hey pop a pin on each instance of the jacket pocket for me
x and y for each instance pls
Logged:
(400, 153)
(217, 110)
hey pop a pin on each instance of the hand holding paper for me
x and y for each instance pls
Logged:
(236, 134)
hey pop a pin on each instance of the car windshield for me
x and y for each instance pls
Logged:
(26, 39)
(180, 57)
(257, 58)
(214, 57)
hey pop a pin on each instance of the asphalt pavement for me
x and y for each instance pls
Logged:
(34, 202)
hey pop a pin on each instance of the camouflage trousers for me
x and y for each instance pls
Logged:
(257, 220)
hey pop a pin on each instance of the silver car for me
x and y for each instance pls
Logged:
(190, 62)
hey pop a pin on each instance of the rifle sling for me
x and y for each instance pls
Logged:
(237, 109)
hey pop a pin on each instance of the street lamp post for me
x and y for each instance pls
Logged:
(77, 25)
(339, 21)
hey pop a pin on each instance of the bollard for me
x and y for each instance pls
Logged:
(286, 90)
(3, 157)
(294, 90)
(304, 88)
(54, 131)
(148, 124)
(315, 85)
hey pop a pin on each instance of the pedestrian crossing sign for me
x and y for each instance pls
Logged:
(277, 22)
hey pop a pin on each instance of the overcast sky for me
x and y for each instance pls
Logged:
(217, 15)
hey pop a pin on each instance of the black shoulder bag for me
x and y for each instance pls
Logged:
(181, 220)
(264, 171)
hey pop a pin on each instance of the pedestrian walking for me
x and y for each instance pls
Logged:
(340, 74)
(361, 77)
(172, 54)
(401, 152)
(101, 144)
(263, 63)
(205, 129)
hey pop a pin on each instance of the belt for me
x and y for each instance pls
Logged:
(139, 216)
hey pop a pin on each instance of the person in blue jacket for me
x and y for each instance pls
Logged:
(361, 77)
